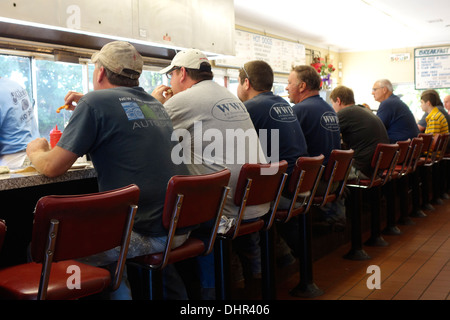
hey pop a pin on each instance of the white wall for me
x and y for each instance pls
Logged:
(360, 70)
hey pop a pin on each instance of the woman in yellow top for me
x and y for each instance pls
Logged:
(436, 122)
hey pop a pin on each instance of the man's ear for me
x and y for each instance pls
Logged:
(183, 73)
(247, 84)
(101, 74)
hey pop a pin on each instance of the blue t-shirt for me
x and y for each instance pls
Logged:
(398, 119)
(320, 125)
(272, 112)
(18, 126)
(127, 134)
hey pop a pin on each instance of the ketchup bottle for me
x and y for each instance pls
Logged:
(55, 134)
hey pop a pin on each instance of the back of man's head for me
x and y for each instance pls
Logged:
(345, 94)
(121, 58)
(259, 74)
(194, 61)
(429, 96)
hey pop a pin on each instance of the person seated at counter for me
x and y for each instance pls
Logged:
(423, 121)
(18, 124)
(198, 105)
(361, 131)
(447, 103)
(320, 125)
(436, 120)
(127, 134)
(270, 112)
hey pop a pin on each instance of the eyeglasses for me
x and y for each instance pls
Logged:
(375, 89)
(243, 68)
(169, 73)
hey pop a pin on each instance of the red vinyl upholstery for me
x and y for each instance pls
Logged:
(336, 172)
(254, 187)
(383, 162)
(67, 228)
(190, 201)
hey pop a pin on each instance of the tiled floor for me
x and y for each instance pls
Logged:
(414, 266)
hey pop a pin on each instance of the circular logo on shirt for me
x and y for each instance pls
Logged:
(282, 112)
(329, 121)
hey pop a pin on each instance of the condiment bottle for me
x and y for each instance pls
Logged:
(55, 134)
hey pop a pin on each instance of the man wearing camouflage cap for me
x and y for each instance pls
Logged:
(127, 134)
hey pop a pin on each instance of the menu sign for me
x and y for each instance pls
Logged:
(432, 68)
(280, 54)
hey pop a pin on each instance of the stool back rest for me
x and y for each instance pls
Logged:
(256, 186)
(77, 226)
(197, 198)
(384, 160)
(310, 167)
(404, 155)
(404, 151)
(339, 164)
(427, 144)
(305, 178)
(445, 147)
(194, 200)
(87, 223)
(439, 143)
(336, 171)
(416, 150)
(264, 187)
(2, 232)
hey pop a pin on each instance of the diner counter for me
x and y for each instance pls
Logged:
(28, 177)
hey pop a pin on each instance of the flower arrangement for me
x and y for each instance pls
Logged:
(324, 71)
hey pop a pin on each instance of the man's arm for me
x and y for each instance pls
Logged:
(50, 162)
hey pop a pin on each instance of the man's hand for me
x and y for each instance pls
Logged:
(50, 162)
(72, 97)
(162, 93)
(37, 145)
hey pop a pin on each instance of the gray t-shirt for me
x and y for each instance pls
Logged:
(127, 134)
(213, 123)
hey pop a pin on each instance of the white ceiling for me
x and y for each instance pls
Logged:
(350, 25)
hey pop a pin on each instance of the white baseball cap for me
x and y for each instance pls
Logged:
(120, 57)
(190, 58)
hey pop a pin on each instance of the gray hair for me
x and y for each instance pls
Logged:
(385, 83)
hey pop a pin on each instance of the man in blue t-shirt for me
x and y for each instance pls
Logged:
(320, 125)
(317, 118)
(18, 124)
(395, 114)
(273, 118)
(271, 115)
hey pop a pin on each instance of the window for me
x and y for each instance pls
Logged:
(48, 82)
(53, 81)
(411, 97)
(149, 80)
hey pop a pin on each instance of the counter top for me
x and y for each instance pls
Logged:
(16, 180)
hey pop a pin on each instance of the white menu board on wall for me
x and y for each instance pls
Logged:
(280, 54)
(432, 68)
